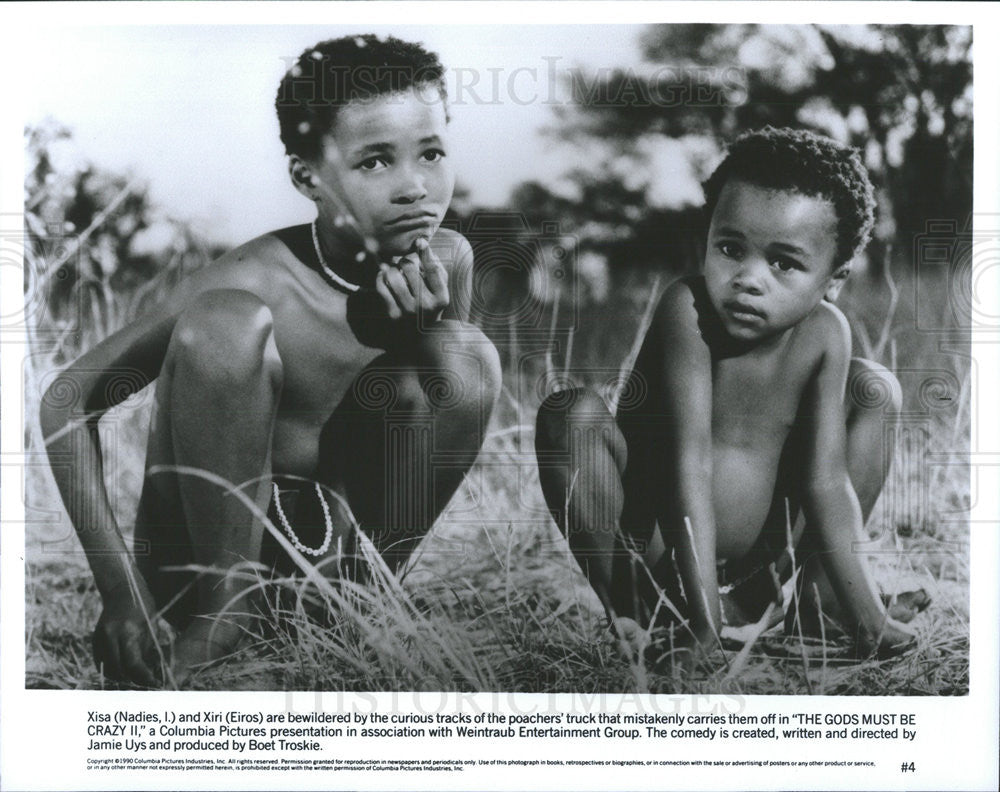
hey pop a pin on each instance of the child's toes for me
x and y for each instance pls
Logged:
(905, 606)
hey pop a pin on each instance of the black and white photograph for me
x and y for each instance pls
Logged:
(626, 359)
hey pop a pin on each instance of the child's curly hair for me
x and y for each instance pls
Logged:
(806, 163)
(352, 68)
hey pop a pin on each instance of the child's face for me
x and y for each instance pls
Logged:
(770, 258)
(389, 157)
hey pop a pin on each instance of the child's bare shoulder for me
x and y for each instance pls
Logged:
(682, 302)
(258, 259)
(829, 318)
(451, 248)
(679, 333)
(257, 266)
(825, 332)
(684, 311)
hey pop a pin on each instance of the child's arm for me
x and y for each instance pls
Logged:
(830, 503)
(682, 368)
(459, 274)
(122, 637)
(69, 414)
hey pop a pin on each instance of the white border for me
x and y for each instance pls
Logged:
(957, 748)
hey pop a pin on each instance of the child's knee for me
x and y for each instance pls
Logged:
(560, 408)
(577, 408)
(227, 337)
(871, 387)
(462, 383)
(473, 364)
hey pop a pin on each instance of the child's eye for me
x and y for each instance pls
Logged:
(785, 264)
(434, 155)
(373, 164)
(730, 250)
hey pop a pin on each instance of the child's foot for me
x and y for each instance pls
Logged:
(905, 606)
(902, 608)
(894, 637)
(632, 639)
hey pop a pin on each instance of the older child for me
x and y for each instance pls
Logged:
(745, 371)
(270, 363)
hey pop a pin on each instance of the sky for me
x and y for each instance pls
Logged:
(190, 108)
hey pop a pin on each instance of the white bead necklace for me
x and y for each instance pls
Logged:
(328, 537)
(351, 287)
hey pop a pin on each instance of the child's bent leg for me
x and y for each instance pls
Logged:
(872, 401)
(408, 431)
(582, 457)
(216, 399)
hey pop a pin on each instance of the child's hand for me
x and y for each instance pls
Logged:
(632, 639)
(894, 638)
(124, 644)
(417, 285)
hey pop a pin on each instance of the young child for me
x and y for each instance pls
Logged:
(270, 363)
(751, 413)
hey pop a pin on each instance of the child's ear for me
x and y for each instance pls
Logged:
(837, 281)
(302, 177)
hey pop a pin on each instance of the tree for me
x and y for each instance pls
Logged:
(96, 247)
(902, 94)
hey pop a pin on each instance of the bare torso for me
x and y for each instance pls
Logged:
(320, 353)
(757, 394)
(321, 357)
(755, 400)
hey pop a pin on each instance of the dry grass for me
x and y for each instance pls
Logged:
(523, 623)
(493, 600)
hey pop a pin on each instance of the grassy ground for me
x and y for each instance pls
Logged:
(493, 600)
(504, 607)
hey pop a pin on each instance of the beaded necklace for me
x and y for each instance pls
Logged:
(327, 519)
(333, 276)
